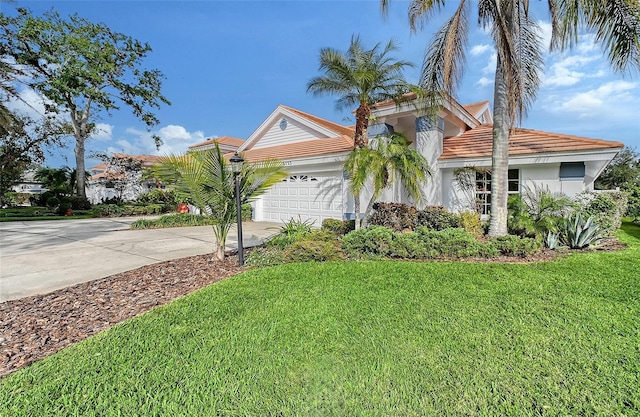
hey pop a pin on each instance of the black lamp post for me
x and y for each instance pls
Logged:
(236, 166)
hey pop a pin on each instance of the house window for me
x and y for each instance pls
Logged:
(572, 170)
(483, 188)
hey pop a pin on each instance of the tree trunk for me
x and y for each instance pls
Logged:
(367, 212)
(500, 155)
(360, 139)
(80, 170)
(356, 209)
(219, 250)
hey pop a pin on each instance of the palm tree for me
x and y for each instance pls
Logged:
(205, 178)
(360, 78)
(386, 160)
(519, 50)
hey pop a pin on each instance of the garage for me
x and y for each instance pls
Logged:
(312, 197)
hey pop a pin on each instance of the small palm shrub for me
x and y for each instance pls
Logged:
(395, 216)
(437, 218)
(580, 233)
(512, 245)
(291, 231)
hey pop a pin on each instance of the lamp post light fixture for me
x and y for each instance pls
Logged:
(236, 167)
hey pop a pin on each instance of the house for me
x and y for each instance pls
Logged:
(120, 178)
(313, 150)
(226, 143)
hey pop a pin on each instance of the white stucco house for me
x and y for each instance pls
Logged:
(313, 150)
(109, 180)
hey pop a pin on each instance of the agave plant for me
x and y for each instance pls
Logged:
(580, 233)
(552, 240)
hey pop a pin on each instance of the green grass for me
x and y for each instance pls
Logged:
(366, 339)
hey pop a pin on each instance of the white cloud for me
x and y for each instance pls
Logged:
(175, 139)
(615, 99)
(545, 33)
(490, 68)
(484, 81)
(102, 132)
(480, 49)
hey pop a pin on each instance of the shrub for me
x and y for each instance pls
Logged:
(519, 221)
(412, 246)
(395, 216)
(607, 209)
(158, 196)
(247, 212)
(455, 243)
(65, 205)
(335, 226)
(53, 202)
(265, 256)
(108, 210)
(471, 223)
(310, 250)
(511, 245)
(437, 218)
(80, 203)
(173, 220)
(370, 242)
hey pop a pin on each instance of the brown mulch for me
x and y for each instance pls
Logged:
(34, 327)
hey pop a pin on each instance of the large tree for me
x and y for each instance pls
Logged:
(360, 78)
(205, 179)
(82, 70)
(516, 38)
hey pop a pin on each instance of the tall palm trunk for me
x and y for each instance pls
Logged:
(356, 209)
(363, 112)
(500, 158)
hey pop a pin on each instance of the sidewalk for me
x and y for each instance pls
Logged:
(43, 256)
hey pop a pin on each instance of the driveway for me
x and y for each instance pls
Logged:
(42, 256)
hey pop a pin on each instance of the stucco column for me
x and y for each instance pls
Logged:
(429, 142)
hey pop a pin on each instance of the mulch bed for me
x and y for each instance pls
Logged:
(34, 327)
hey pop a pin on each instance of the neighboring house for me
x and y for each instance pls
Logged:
(226, 144)
(313, 150)
(28, 184)
(120, 178)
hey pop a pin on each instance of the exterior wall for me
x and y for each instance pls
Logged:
(429, 142)
(290, 131)
(533, 175)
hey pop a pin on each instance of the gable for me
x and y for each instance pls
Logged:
(287, 130)
(288, 126)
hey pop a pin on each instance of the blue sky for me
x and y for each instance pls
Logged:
(228, 64)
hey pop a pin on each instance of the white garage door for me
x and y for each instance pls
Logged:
(311, 197)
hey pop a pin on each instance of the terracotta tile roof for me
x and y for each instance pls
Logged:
(474, 108)
(316, 147)
(146, 160)
(338, 128)
(100, 166)
(222, 140)
(478, 142)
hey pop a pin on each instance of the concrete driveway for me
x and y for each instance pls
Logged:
(42, 256)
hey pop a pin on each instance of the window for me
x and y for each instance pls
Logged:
(572, 170)
(483, 188)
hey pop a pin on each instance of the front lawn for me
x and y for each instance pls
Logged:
(377, 338)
